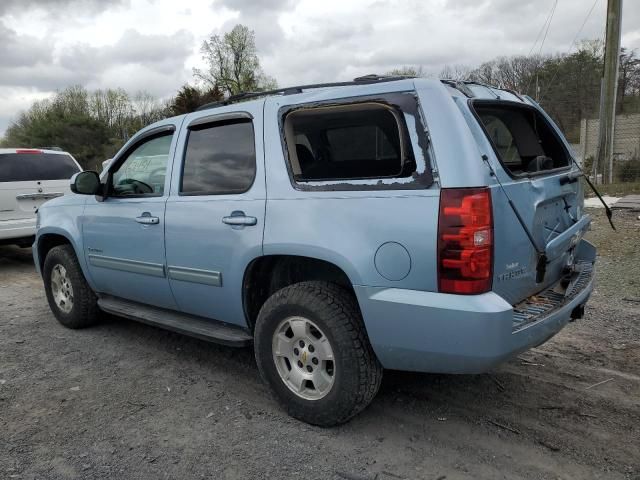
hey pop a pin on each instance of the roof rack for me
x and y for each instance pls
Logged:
(364, 80)
(461, 85)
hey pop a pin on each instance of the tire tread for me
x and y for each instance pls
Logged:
(85, 310)
(336, 303)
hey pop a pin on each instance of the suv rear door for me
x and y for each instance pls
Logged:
(29, 177)
(215, 213)
(532, 162)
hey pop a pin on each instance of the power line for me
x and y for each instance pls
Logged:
(546, 20)
(573, 42)
(553, 11)
(547, 24)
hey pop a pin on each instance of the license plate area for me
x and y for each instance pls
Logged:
(538, 306)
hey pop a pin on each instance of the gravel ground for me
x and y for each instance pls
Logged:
(124, 400)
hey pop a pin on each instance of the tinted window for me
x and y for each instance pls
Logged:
(347, 142)
(219, 159)
(523, 139)
(144, 170)
(20, 167)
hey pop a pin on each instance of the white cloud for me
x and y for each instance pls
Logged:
(14, 100)
(153, 44)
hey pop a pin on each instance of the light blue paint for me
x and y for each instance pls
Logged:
(410, 325)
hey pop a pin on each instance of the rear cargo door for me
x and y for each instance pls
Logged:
(532, 162)
(28, 178)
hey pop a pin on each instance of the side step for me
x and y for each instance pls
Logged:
(198, 327)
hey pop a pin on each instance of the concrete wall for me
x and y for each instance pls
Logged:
(626, 143)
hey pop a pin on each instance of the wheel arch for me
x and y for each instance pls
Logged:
(52, 237)
(269, 273)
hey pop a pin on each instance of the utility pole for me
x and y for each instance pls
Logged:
(608, 90)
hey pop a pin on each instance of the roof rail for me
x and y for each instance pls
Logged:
(364, 80)
(462, 86)
(459, 85)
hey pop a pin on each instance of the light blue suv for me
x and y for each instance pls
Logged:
(410, 224)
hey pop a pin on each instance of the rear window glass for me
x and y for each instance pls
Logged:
(220, 159)
(21, 167)
(358, 141)
(523, 139)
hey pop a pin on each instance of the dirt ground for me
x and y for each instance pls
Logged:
(124, 400)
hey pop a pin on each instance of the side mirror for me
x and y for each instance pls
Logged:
(85, 183)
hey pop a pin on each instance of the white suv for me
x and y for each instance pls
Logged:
(28, 178)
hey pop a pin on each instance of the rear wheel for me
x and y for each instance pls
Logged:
(312, 349)
(70, 298)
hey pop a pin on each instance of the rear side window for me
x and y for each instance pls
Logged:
(22, 167)
(219, 159)
(522, 138)
(348, 142)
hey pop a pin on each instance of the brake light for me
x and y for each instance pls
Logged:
(28, 150)
(465, 241)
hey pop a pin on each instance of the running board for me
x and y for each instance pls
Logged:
(198, 327)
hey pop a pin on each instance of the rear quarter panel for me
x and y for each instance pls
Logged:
(348, 228)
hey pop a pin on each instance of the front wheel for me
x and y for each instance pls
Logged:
(312, 349)
(70, 298)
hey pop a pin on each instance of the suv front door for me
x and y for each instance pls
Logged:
(215, 213)
(124, 233)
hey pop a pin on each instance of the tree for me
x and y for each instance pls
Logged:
(86, 138)
(407, 71)
(515, 73)
(455, 72)
(92, 126)
(189, 98)
(629, 80)
(233, 64)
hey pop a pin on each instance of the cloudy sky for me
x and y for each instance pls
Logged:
(47, 45)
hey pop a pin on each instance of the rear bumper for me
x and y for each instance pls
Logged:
(436, 332)
(13, 229)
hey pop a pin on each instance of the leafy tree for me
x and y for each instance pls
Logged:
(189, 98)
(92, 126)
(86, 138)
(233, 64)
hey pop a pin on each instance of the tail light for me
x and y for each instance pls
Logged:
(465, 241)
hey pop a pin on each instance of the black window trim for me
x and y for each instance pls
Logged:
(212, 121)
(161, 131)
(513, 104)
(421, 181)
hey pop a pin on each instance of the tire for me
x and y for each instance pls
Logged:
(353, 376)
(72, 301)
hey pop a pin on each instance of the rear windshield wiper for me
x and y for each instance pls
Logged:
(573, 176)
